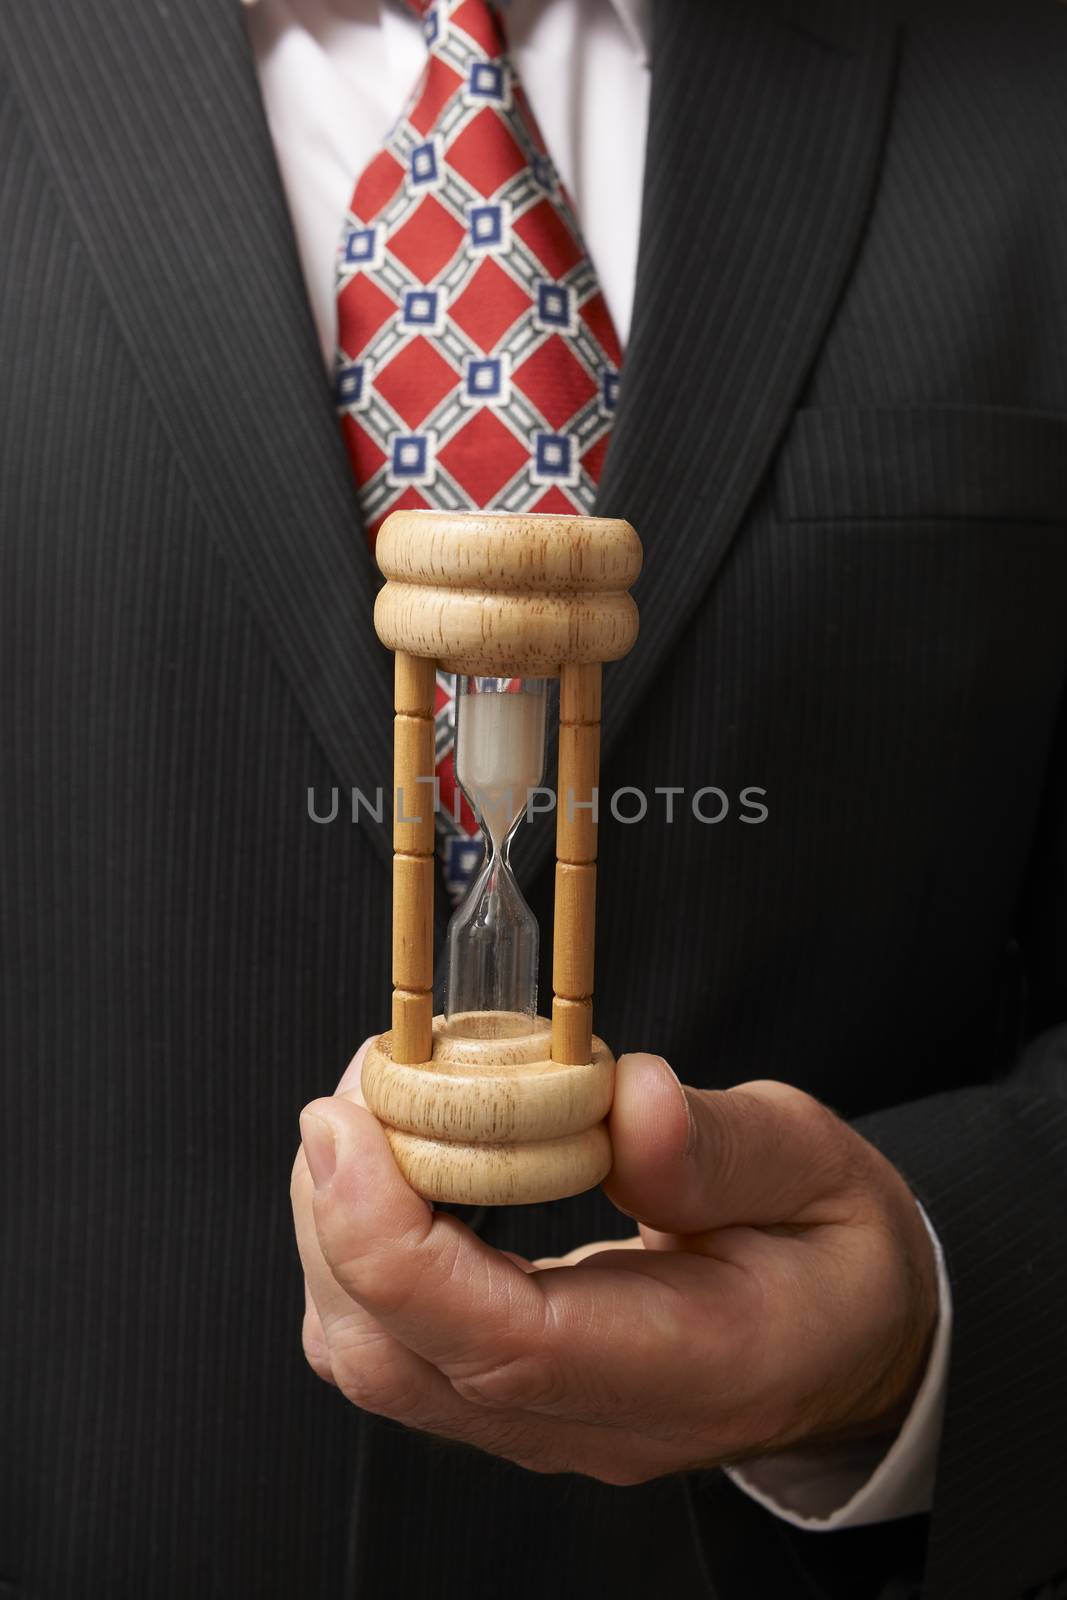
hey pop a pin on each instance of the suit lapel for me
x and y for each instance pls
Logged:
(765, 132)
(151, 121)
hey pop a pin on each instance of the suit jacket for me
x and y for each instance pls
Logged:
(842, 435)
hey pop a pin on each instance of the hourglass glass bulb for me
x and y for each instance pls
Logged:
(493, 935)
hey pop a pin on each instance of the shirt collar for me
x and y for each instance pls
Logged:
(633, 14)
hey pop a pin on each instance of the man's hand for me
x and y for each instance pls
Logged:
(783, 1289)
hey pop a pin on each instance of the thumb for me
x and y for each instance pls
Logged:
(686, 1160)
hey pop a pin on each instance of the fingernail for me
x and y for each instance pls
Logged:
(320, 1147)
(691, 1135)
(691, 1131)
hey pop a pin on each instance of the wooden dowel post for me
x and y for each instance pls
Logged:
(413, 858)
(576, 847)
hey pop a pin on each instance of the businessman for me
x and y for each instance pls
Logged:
(784, 285)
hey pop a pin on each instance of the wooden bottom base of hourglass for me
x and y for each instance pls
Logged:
(491, 1119)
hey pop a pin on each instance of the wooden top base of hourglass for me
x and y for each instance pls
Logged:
(491, 1108)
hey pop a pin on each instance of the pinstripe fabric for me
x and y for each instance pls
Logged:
(185, 960)
(842, 435)
(799, 111)
(194, 250)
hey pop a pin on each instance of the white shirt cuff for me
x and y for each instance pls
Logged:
(863, 1482)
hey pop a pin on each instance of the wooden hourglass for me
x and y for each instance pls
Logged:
(489, 1103)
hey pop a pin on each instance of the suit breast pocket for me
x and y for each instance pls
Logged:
(923, 463)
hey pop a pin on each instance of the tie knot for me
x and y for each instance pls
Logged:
(479, 19)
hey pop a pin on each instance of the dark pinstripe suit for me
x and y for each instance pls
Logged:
(843, 438)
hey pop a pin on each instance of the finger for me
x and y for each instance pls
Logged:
(350, 1085)
(689, 1160)
(339, 1323)
(373, 1370)
(545, 1342)
(329, 1299)
(379, 1374)
(360, 1340)
(422, 1275)
(582, 1252)
(372, 1367)
(316, 1349)
(521, 1262)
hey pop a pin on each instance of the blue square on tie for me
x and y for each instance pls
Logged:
(410, 456)
(420, 308)
(462, 858)
(424, 169)
(553, 457)
(349, 388)
(484, 379)
(487, 226)
(360, 246)
(431, 26)
(609, 389)
(487, 82)
(555, 306)
(544, 173)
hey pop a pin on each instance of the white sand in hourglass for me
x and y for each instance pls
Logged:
(500, 751)
(493, 936)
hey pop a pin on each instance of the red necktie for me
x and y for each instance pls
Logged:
(477, 365)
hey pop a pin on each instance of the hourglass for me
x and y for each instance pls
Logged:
(490, 1103)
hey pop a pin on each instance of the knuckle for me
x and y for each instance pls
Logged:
(371, 1378)
(372, 1276)
(795, 1104)
(384, 1394)
(386, 1279)
(391, 1276)
(316, 1351)
(805, 1121)
(532, 1380)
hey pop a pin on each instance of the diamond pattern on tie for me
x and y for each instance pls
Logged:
(477, 365)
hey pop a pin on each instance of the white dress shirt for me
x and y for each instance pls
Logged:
(335, 74)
